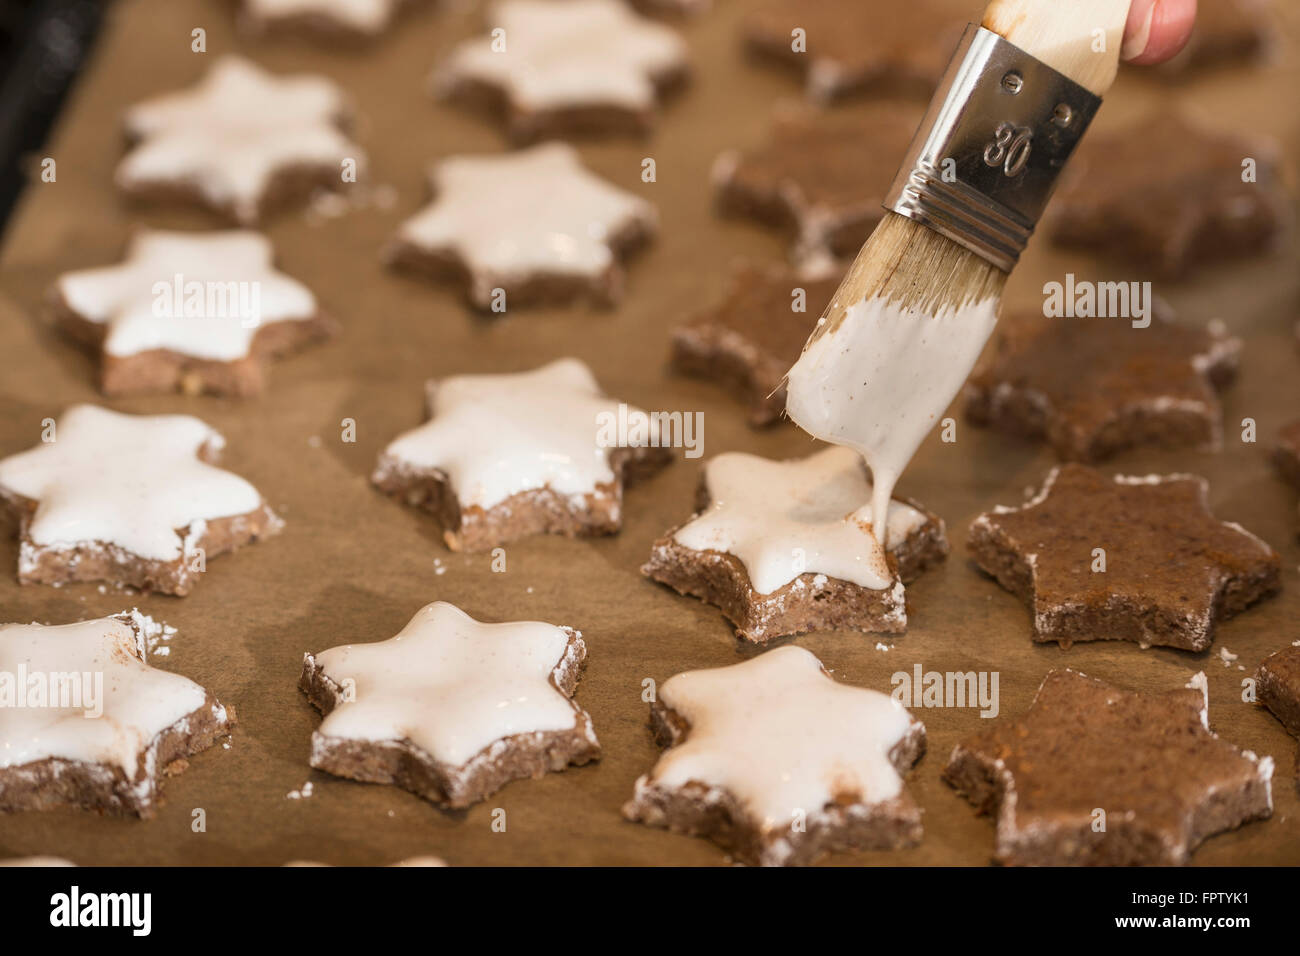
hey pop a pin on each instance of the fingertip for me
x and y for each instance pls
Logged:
(1157, 29)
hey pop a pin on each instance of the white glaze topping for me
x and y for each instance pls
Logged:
(368, 16)
(199, 294)
(138, 702)
(449, 684)
(515, 215)
(228, 135)
(782, 736)
(134, 481)
(498, 435)
(785, 518)
(575, 53)
(880, 381)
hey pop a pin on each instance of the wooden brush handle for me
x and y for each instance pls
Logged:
(1080, 38)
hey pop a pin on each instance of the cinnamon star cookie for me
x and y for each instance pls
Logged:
(820, 176)
(847, 46)
(194, 311)
(1095, 775)
(784, 547)
(506, 456)
(748, 340)
(240, 141)
(105, 735)
(451, 709)
(778, 764)
(559, 69)
(525, 227)
(328, 19)
(1167, 196)
(1093, 387)
(129, 499)
(1124, 558)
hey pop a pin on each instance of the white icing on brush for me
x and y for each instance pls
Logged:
(515, 215)
(880, 381)
(450, 685)
(138, 702)
(137, 299)
(498, 435)
(576, 53)
(366, 16)
(782, 736)
(128, 480)
(784, 518)
(228, 135)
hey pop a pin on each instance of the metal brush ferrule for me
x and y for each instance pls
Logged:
(993, 142)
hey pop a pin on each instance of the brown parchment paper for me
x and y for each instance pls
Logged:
(353, 565)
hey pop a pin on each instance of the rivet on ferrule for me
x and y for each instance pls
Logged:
(993, 143)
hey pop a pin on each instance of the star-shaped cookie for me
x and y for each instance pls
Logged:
(241, 141)
(847, 46)
(820, 176)
(525, 227)
(1093, 387)
(129, 499)
(777, 763)
(1092, 774)
(451, 709)
(558, 69)
(195, 311)
(505, 456)
(782, 547)
(89, 723)
(1167, 195)
(329, 19)
(1124, 558)
(748, 340)
(1286, 454)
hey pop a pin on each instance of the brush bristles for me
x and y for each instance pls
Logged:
(914, 266)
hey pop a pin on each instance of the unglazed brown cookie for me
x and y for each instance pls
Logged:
(1172, 570)
(241, 141)
(223, 313)
(781, 547)
(854, 47)
(451, 709)
(128, 724)
(533, 226)
(1278, 682)
(1095, 775)
(1286, 454)
(778, 764)
(1093, 387)
(134, 500)
(506, 456)
(820, 176)
(564, 69)
(1167, 195)
(748, 340)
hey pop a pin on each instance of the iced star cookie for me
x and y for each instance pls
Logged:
(1149, 762)
(1094, 387)
(525, 227)
(241, 141)
(748, 340)
(1168, 196)
(820, 177)
(130, 499)
(778, 763)
(845, 47)
(451, 709)
(783, 547)
(326, 19)
(560, 69)
(506, 456)
(189, 311)
(119, 725)
(1132, 558)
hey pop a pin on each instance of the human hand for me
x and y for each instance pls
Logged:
(1156, 30)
